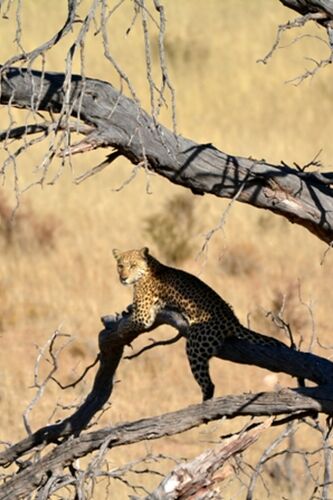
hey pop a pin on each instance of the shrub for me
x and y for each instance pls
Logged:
(171, 229)
(25, 227)
(240, 259)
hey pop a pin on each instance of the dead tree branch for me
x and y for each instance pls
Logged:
(268, 404)
(277, 358)
(286, 432)
(198, 476)
(319, 11)
(42, 473)
(296, 23)
(153, 344)
(44, 47)
(303, 197)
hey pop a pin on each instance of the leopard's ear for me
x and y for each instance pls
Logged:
(116, 253)
(144, 252)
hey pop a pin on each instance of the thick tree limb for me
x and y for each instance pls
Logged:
(277, 358)
(317, 399)
(111, 349)
(302, 197)
(112, 341)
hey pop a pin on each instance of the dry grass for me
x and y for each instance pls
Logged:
(223, 97)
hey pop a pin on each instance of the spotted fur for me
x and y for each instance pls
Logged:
(211, 320)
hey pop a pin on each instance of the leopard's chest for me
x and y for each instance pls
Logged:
(148, 296)
(190, 301)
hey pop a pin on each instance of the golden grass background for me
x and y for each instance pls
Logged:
(57, 270)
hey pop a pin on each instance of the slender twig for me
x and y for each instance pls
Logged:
(29, 56)
(296, 23)
(78, 380)
(286, 432)
(40, 386)
(98, 168)
(220, 225)
(155, 344)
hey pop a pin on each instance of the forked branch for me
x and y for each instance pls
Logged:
(267, 404)
(277, 357)
(117, 122)
(318, 11)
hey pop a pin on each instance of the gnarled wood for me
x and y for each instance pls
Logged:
(119, 122)
(275, 358)
(317, 399)
(198, 476)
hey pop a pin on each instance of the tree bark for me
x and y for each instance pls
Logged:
(305, 7)
(277, 357)
(288, 402)
(197, 476)
(302, 197)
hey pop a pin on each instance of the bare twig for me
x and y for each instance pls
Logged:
(155, 344)
(98, 168)
(280, 322)
(327, 451)
(30, 56)
(318, 16)
(295, 23)
(220, 225)
(309, 73)
(104, 31)
(312, 163)
(81, 377)
(165, 75)
(286, 432)
(40, 386)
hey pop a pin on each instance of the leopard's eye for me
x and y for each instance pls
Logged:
(132, 266)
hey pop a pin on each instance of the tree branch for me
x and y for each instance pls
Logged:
(154, 344)
(44, 47)
(319, 11)
(302, 197)
(304, 7)
(276, 357)
(262, 404)
(198, 475)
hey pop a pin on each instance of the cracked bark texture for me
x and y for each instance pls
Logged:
(263, 404)
(120, 123)
(112, 342)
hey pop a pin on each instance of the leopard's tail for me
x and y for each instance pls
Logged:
(244, 333)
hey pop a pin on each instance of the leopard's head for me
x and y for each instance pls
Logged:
(132, 265)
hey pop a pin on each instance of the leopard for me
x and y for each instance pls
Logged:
(211, 320)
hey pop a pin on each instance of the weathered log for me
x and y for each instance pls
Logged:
(119, 122)
(317, 399)
(277, 357)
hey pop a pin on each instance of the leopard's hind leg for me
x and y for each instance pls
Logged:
(199, 351)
